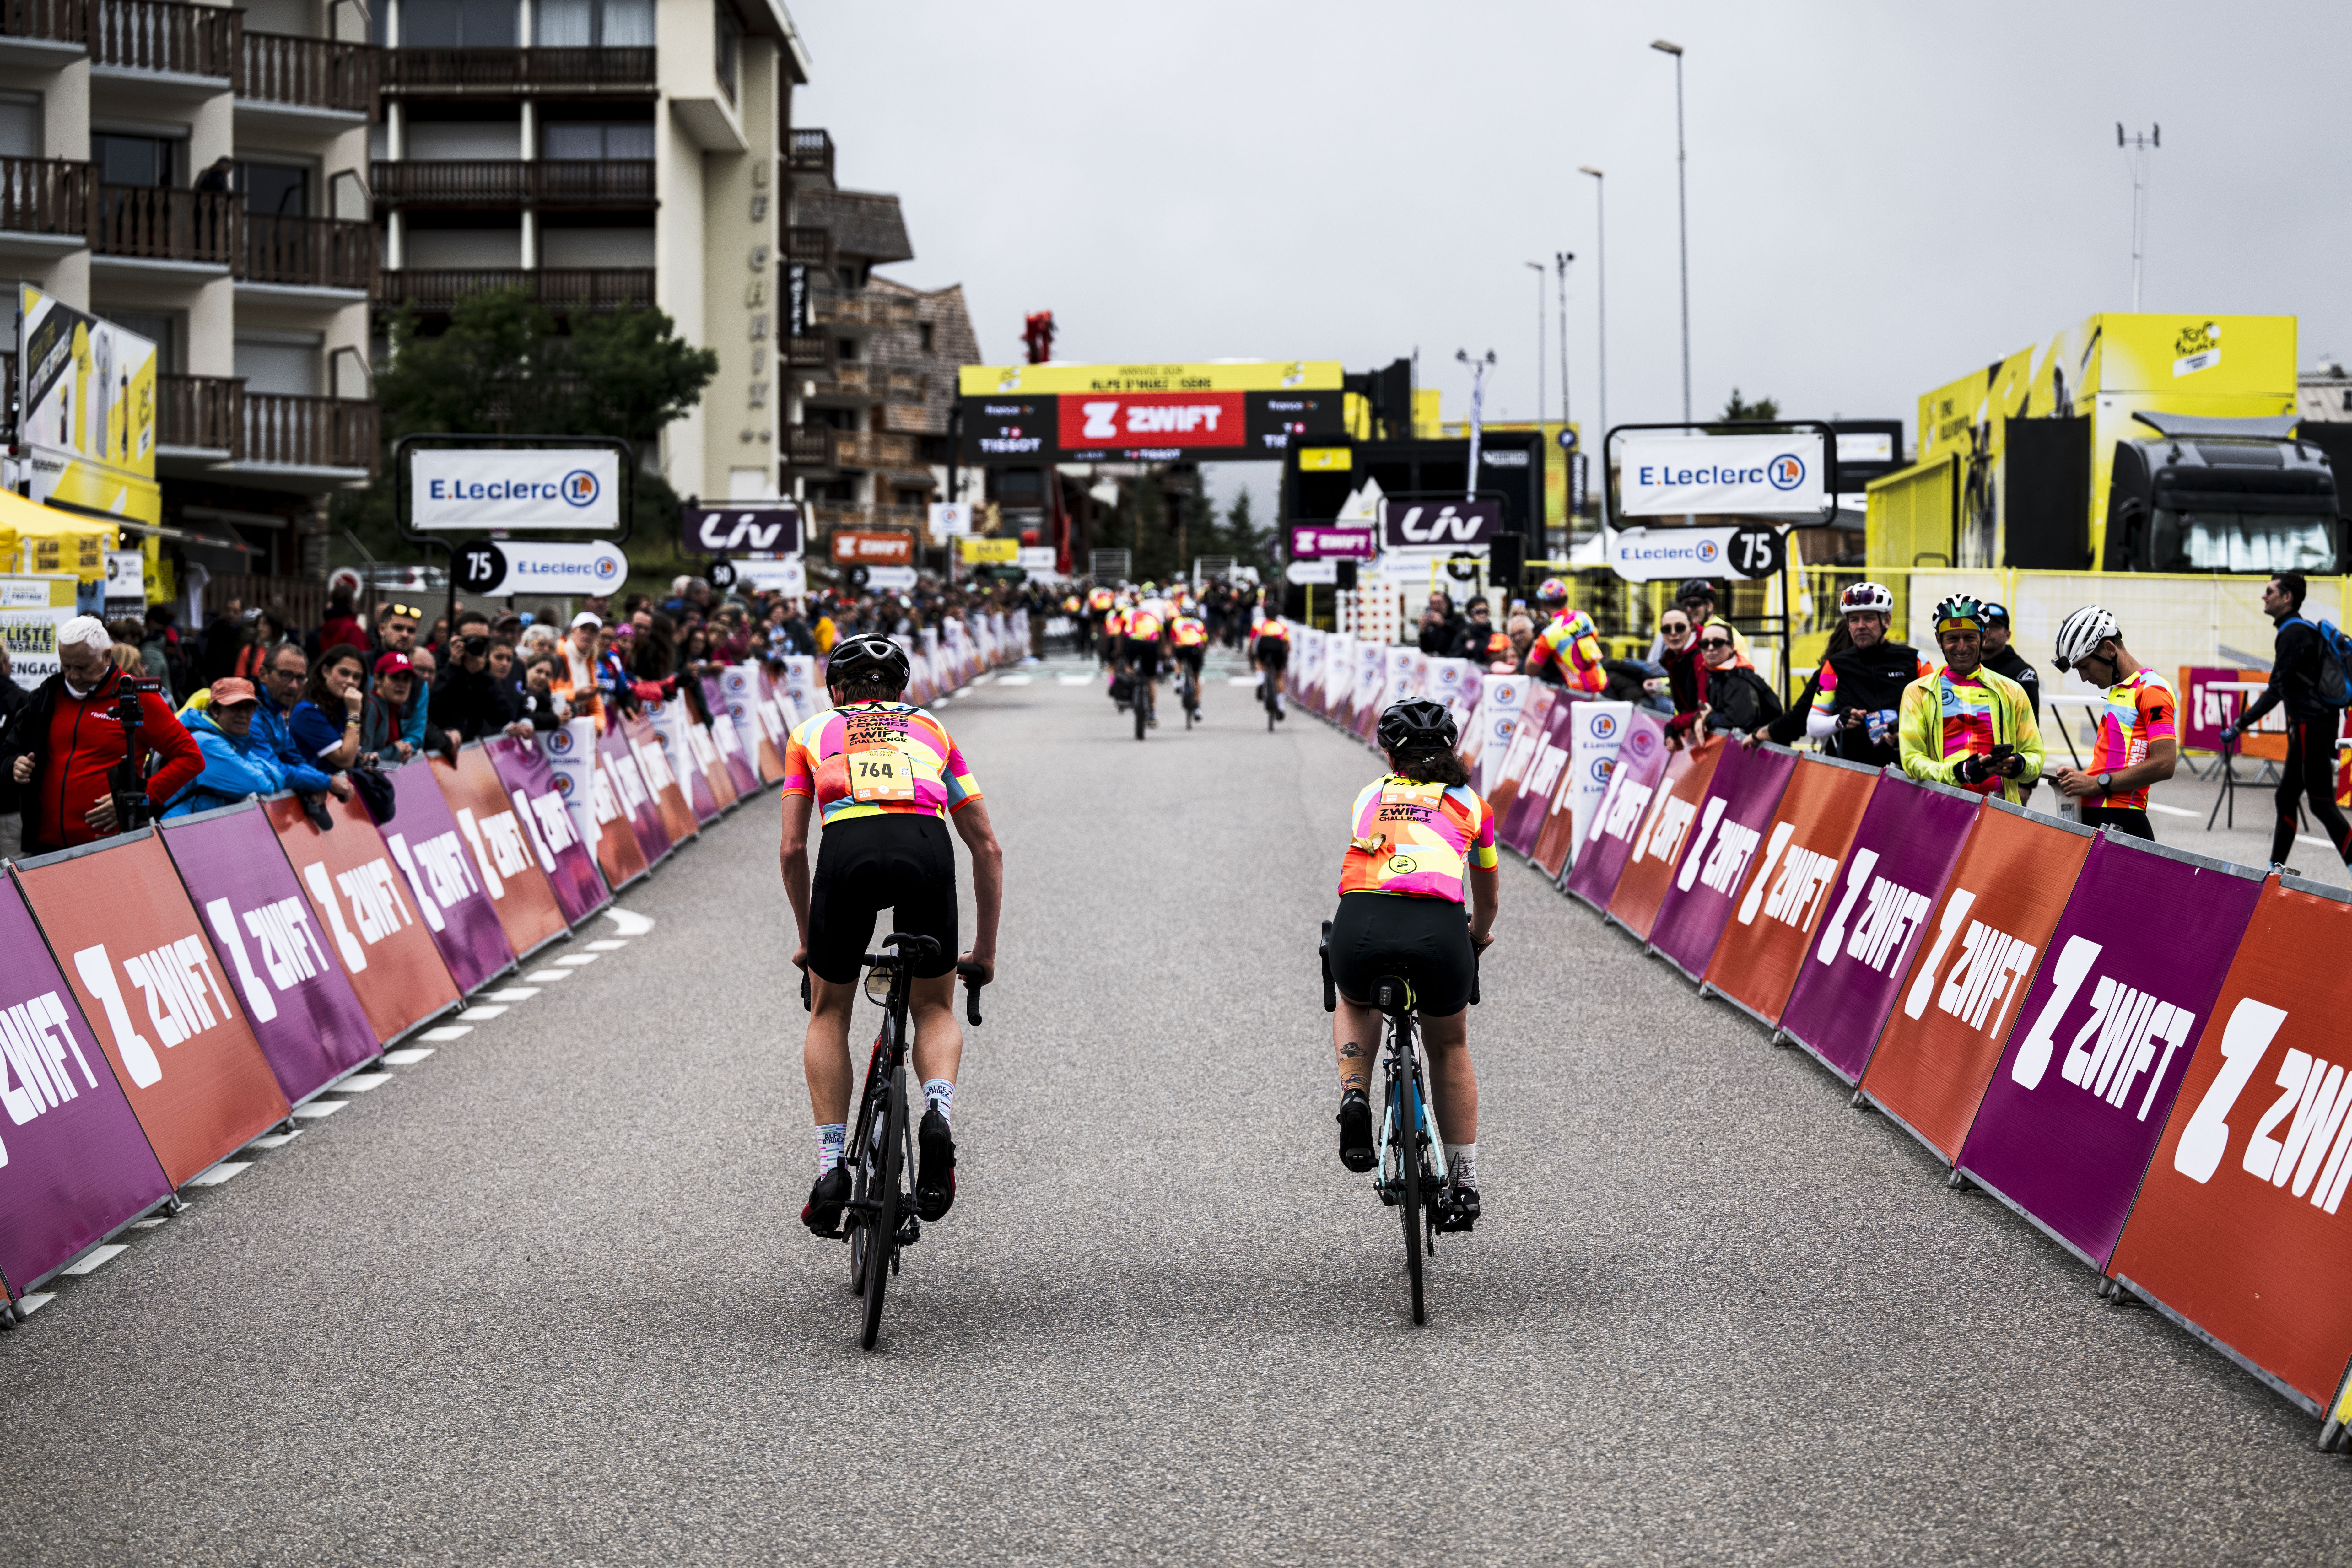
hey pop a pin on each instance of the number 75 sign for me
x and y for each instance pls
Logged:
(1755, 551)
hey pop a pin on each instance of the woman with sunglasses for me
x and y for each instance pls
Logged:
(1739, 700)
(1686, 675)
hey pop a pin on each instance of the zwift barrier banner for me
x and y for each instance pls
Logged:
(348, 875)
(568, 862)
(1772, 924)
(1496, 719)
(133, 950)
(2235, 1233)
(2100, 1045)
(744, 688)
(1527, 737)
(1596, 734)
(1942, 1040)
(1516, 829)
(1632, 779)
(74, 1166)
(1747, 786)
(669, 721)
(619, 764)
(1658, 844)
(1895, 873)
(296, 996)
(501, 836)
(430, 851)
(678, 818)
(731, 734)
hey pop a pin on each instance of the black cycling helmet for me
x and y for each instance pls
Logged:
(868, 656)
(1696, 588)
(1417, 724)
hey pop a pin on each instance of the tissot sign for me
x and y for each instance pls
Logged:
(1439, 525)
(1146, 413)
(757, 528)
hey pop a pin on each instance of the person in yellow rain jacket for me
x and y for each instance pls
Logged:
(1965, 725)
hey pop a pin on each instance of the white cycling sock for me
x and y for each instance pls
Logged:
(1461, 1161)
(831, 1139)
(941, 1093)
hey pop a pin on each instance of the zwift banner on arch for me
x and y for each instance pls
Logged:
(1747, 786)
(354, 889)
(1773, 922)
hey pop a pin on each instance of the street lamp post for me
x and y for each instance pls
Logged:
(2136, 147)
(1601, 285)
(1538, 268)
(1477, 412)
(1682, 209)
(1560, 261)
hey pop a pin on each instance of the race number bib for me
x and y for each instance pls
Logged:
(881, 770)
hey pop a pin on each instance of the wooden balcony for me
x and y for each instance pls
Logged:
(808, 445)
(872, 449)
(197, 412)
(45, 195)
(836, 308)
(283, 71)
(860, 378)
(435, 291)
(492, 183)
(54, 21)
(811, 152)
(280, 430)
(167, 36)
(308, 252)
(507, 73)
(808, 245)
(156, 224)
(852, 514)
(805, 352)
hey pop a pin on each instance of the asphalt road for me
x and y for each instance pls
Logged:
(544, 1298)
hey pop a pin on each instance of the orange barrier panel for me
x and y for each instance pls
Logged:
(2237, 1230)
(619, 857)
(669, 796)
(1535, 718)
(1664, 833)
(1772, 924)
(362, 897)
(156, 994)
(1984, 941)
(503, 852)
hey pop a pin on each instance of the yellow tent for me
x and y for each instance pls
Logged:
(35, 538)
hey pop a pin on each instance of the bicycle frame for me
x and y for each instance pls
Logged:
(1405, 1102)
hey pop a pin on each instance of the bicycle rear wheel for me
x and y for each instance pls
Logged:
(1409, 1173)
(882, 1220)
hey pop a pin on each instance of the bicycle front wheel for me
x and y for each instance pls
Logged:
(1409, 1172)
(882, 1220)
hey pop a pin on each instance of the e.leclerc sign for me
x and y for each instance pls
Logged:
(454, 489)
(1767, 475)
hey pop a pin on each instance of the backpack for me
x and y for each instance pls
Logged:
(2332, 683)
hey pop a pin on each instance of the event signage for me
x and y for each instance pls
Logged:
(495, 567)
(949, 518)
(740, 528)
(869, 547)
(33, 610)
(425, 844)
(643, 741)
(1662, 474)
(1892, 877)
(1516, 829)
(2104, 1037)
(1447, 525)
(1331, 541)
(2239, 1226)
(1780, 907)
(1984, 940)
(1641, 763)
(569, 753)
(452, 488)
(1643, 555)
(502, 836)
(2212, 699)
(156, 998)
(733, 730)
(972, 550)
(367, 912)
(1662, 835)
(87, 391)
(1488, 739)
(1372, 686)
(274, 954)
(1526, 738)
(1142, 412)
(671, 724)
(624, 777)
(1598, 734)
(73, 1164)
(1732, 822)
(568, 859)
(1312, 574)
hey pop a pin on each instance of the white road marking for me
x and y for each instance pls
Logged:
(478, 1014)
(145, 1223)
(980, 680)
(94, 1259)
(361, 1082)
(316, 1108)
(271, 1141)
(2170, 810)
(577, 959)
(34, 1303)
(511, 994)
(1241, 680)
(1076, 679)
(2307, 838)
(446, 1032)
(548, 976)
(221, 1172)
(409, 1055)
(628, 922)
(607, 946)
(1015, 681)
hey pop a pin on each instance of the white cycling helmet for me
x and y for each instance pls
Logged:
(1866, 596)
(2081, 632)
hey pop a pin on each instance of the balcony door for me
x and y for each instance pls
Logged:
(593, 23)
(20, 125)
(283, 364)
(150, 162)
(274, 190)
(456, 24)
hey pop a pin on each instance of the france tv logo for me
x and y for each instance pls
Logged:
(1787, 472)
(580, 488)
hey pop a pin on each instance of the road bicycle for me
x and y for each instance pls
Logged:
(1269, 692)
(1146, 704)
(1188, 692)
(1408, 1154)
(879, 1219)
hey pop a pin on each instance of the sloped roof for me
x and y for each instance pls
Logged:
(865, 224)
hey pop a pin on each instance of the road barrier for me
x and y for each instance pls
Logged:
(358, 897)
(568, 860)
(2138, 1049)
(498, 830)
(452, 897)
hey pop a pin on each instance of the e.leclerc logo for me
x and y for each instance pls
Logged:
(1787, 472)
(558, 740)
(607, 568)
(1706, 551)
(1603, 726)
(580, 488)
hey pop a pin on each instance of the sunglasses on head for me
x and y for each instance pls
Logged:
(411, 611)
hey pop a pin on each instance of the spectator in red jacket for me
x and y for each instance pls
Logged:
(59, 747)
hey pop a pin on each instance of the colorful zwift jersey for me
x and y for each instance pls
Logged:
(2140, 711)
(1272, 630)
(877, 758)
(1143, 627)
(1100, 599)
(1946, 718)
(1415, 838)
(1188, 633)
(1567, 652)
(1115, 623)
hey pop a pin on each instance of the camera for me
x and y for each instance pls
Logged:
(126, 781)
(477, 645)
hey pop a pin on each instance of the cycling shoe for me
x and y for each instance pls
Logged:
(935, 1185)
(1356, 1131)
(822, 1213)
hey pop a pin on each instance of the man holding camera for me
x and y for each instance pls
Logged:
(65, 745)
(1964, 724)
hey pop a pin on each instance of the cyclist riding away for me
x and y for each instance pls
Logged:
(2139, 732)
(1965, 725)
(1860, 691)
(886, 781)
(1188, 638)
(2310, 722)
(1270, 657)
(1420, 836)
(1144, 630)
(1567, 651)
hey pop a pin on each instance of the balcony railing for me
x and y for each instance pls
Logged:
(863, 379)
(871, 450)
(809, 246)
(494, 183)
(159, 224)
(505, 72)
(811, 152)
(167, 36)
(853, 514)
(44, 195)
(808, 445)
(282, 429)
(438, 290)
(806, 353)
(308, 252)
(59, 21)
(199, 411)
(831, 308)
(307, 73)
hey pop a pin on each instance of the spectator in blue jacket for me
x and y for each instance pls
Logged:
(237, 763)
(284, 670)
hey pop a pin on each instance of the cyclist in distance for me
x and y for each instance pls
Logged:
(1965, 725)
(1421, 838)
(1270, 657)
(1567, 650)
(2138, 732)
(885, 781)
(1145, 629)
(1856, 705)
(1188, 637)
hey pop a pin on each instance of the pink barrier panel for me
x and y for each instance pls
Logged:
(678, 818)
(1517, 827)
(733, 735)
(671, 722)
(617, 761)
(303, 1011)
(1641, 763)
(569, 863)
(1731, 822)
(2098, 1049)
(430, 851)
(1902, 855)
(74, 1166)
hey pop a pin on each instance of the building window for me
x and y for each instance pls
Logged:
(20, 124)
(147, 161)
(281, 363)
(728, 60)
(923, 331)
(593, 142)
(275, 190)
(594, 23)
(458, 24)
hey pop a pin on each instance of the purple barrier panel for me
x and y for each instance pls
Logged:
(303, 1011)
(74, 1166)
(1517, 830)
(1632, 779)
(569, 862)
(430, 851)
(635, 794)
(734, 752)
(2097, 1051)
(1903, 853)
(1731, 822)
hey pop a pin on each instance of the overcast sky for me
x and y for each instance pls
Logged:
(1881, 197)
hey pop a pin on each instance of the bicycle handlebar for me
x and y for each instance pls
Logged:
(971, 984)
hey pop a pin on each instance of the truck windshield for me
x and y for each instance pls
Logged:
(2250, 542)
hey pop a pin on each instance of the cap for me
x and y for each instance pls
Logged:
(587, 619)
(395, 664)
(229, 690)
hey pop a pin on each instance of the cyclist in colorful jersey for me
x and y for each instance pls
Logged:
(2138, 730)
(1859, 695)
(1145, 629)
(1270, 657)
(1188, 637)
(1965, 725)
(1099, 603)
(886, 783)
(1567, 651)
(1421, 839)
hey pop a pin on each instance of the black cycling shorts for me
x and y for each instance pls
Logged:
(899, 862)
(1425, 942)
(1144, 656)
(1273, 652)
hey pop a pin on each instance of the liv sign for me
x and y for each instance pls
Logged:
(1751, 475)
(456, 490)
